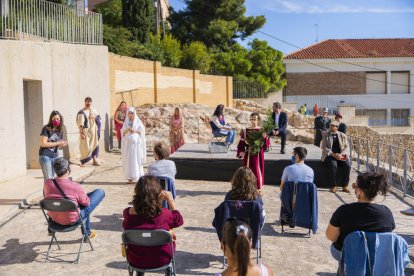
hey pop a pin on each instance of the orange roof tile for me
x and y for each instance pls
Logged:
(357, 48)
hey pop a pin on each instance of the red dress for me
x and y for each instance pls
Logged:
(154, 256)
(254, 161)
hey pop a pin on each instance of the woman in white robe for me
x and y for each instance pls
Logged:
(134, 150)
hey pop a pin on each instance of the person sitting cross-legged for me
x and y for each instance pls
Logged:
(73, 191)
(299, 171)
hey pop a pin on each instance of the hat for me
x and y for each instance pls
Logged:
(338, 116)
(335, 123)
(325, 109)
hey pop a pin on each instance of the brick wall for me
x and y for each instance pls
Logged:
(326, 83)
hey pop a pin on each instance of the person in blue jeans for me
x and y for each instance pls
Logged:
(73, 191)
(51, 139)
(220, 127)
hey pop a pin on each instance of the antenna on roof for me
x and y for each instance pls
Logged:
(317, 32)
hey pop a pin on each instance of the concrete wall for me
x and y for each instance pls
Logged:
(57, 76)
(141, 82)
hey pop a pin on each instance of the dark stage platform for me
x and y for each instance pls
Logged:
(194, 161)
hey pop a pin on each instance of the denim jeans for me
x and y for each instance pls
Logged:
(46, 163)
(230, 137)
(336, 254)
(95, 198)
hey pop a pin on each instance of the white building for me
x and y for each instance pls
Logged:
(374, 75)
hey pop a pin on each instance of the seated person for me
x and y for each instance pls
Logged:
(334, 153)
(236, 245)
(220, 127)
(162, 166)
(75, 192)
(280, 124)
(147, 213)
(342, 125)
(299, 171)
(363, 215)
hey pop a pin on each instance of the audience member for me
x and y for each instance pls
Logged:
(236, 245)
(335, 155)
(134, 149)
(342, 126)
(253, 142)
(147, 213)
(321, 126)
(162, 166)
(316, 110)
(304, 110)
(89, 124)
(299, 171)
(51, 139)
(119, 118)
(363, 215)
(220, 126)
(280, 125)
(74, 192)
(176, 130)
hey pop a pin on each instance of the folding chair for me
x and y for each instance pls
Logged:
(249, 211)
(169, 186)
(63, 205)
(149, 238)
(217, 137)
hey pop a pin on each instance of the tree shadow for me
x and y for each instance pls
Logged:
(201, 229)
(190, 264)
(104, 183)
(109, 223)
(184, 193)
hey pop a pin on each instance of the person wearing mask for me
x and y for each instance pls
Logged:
(335, 150)
(321, 126)
(299, 171)
(51, 139)
(362, 215)
(342, 126)
(236, 244)
(280, 125)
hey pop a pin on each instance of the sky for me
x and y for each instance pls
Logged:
(300, 23)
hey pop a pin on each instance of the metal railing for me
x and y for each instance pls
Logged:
(395, 162)
(243, 89)
(42, 20)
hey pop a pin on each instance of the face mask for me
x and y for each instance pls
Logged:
(56, 123)
(293, 159)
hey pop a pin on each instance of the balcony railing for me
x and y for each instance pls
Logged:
(45, 21)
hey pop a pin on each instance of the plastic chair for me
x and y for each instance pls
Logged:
(63, 205)
(149, 238)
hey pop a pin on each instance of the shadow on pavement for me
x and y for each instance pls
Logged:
(104, 183)
(190, 264)
(184, 193)
(201, 229)
(108, 223)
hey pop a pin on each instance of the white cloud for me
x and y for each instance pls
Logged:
(315, 7)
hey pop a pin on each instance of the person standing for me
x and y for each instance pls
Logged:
(335, 155)
(321, 126)
(51, 139)
(280, 120)
(253, 142)
(342, 126)
(89, 123)
(220, 126)
(316, 110)
(134, 150)
(119, 118)
(176, 130)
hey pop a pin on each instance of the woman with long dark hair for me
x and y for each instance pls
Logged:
(147, 213)
(236, 244)
(51, 139)
(243, 186)
(362, 215)
(220, 126)
(176, 130)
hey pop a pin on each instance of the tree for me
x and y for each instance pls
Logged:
(111, 12)
(216, 23)
(118, 40)
(138, 17)
(267, 66)
(233, 62)
(196, 57)
(171, 49)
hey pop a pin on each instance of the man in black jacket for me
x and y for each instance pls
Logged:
(322, 123)
(280, 124)
(342, 126)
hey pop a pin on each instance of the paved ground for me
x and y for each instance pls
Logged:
(24, 240)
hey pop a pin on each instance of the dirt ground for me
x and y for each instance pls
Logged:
(24, 240)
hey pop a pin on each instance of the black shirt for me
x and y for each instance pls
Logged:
(52, 136)
(361, 217)
(335, 144)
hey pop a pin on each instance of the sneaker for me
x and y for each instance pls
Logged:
(283, 151)
(333, 190)
(346, 190)
(91, 236)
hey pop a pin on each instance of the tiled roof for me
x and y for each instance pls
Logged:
(357, 48)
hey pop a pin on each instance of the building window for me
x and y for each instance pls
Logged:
(376, 82)
(399, 117)
(400, 82)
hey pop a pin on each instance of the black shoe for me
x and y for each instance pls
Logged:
(283, 151)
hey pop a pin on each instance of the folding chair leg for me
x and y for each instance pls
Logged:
(80, 248)
(282, 229)
(260, 248)
(57, 243)
(257, 255)
(224, 261)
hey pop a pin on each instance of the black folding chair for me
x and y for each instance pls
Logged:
(63, 205)
(149, 238)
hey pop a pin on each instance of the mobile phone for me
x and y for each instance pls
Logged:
(162, 183)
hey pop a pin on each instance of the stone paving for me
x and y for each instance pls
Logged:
(24, 240)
